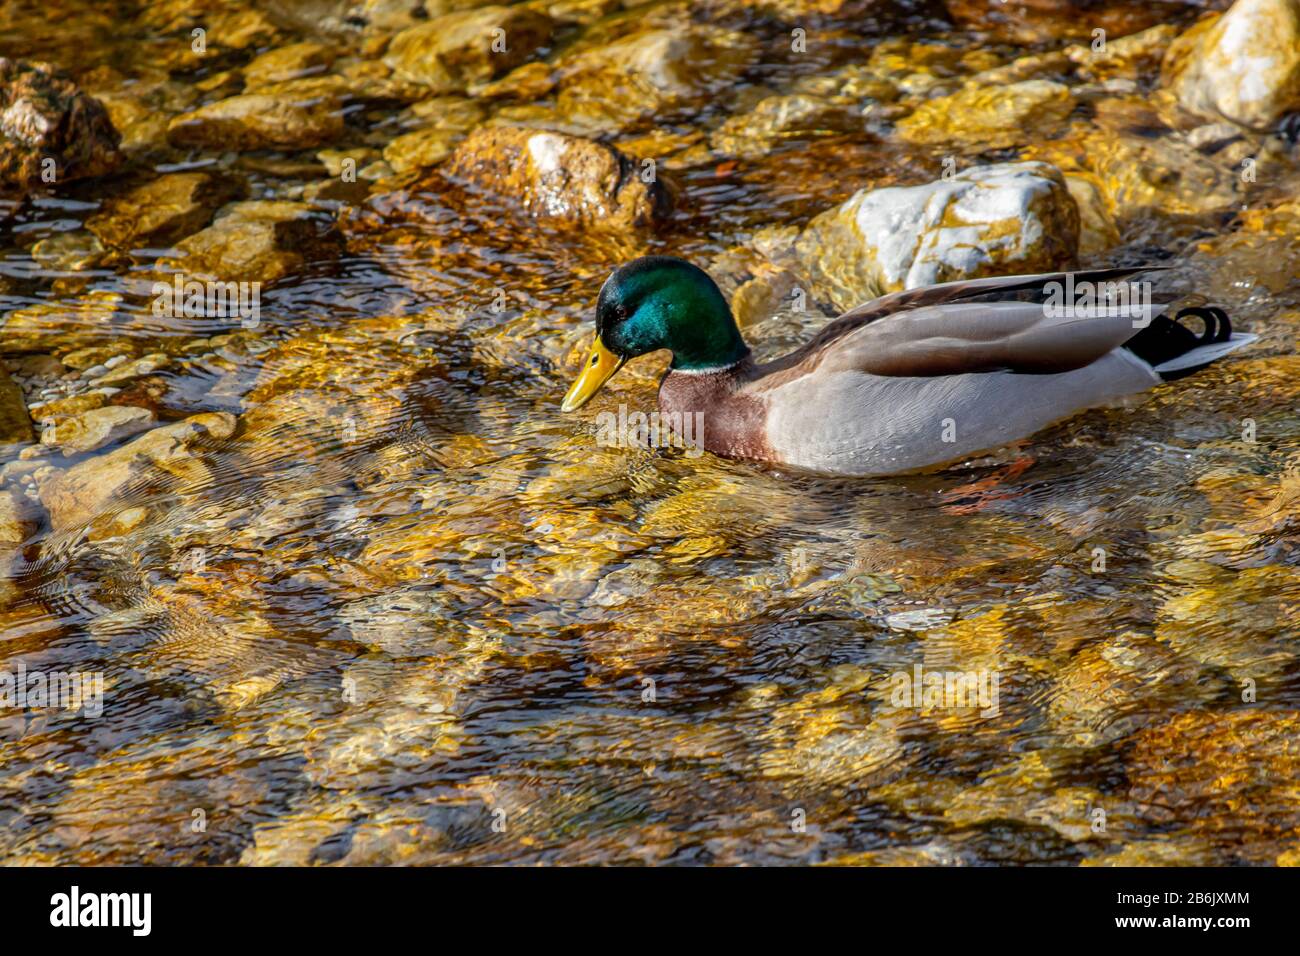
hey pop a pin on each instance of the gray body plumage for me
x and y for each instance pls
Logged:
(893, 424)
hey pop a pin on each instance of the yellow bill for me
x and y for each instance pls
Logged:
(596, 372)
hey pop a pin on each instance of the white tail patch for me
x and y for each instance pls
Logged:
(1204, 354)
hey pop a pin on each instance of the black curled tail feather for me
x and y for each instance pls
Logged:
(1166, 339)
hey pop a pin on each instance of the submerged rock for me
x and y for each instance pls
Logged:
(451, 52)
(291, 62)
(989, 117)
(614, 85)
(19, 519)
(1106, 690)
(986, 220)
(50, 132)
(164, 209)
(449, 118)
(1243, 66)
(82, 492)
(294, 115)
(1036, 21)
(1139, 168)
(1228, 774)
(15, 425)
(96, 428)
(62, 326)
(557, 176)
(258, 241)
(780, 117)
(1132, 57)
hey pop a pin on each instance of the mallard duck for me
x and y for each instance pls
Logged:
(905, 382)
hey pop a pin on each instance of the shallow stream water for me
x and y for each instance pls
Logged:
(409, 612)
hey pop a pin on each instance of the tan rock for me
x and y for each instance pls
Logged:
(779, 117)
(296, 115)
(257, 241)
(557, 176)
(69, 252)
(61, 325)
(86, 490)
(614, 85)
(992, 117)
(96, 428)
(1243, 66)
(290, 62)
(450, 52)
(1097, 231)
(164, 209)
(15, 424)
(1132, 57)
(19, 517)
(421, 149)
(1140, 175)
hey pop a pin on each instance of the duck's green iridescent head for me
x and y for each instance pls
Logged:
(652, 303)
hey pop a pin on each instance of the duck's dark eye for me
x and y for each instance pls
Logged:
(620, 311)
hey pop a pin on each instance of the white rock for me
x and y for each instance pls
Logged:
(1243, 67)
(987, 220)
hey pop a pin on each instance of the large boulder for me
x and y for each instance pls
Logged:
(50, 132)
(1243, 66)
(557, 176)
(986, 220)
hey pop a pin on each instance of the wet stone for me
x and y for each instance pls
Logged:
(1242, 66)
(450, 52)
(989, 117)
(257, 241)
(557, 176)
(15, 423)
(285, 119)
(165, 209)
(52, 132)
(986, 220)
(95, 428)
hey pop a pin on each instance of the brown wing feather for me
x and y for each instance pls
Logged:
(959, 338)
(950, 339)
(964, 289)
